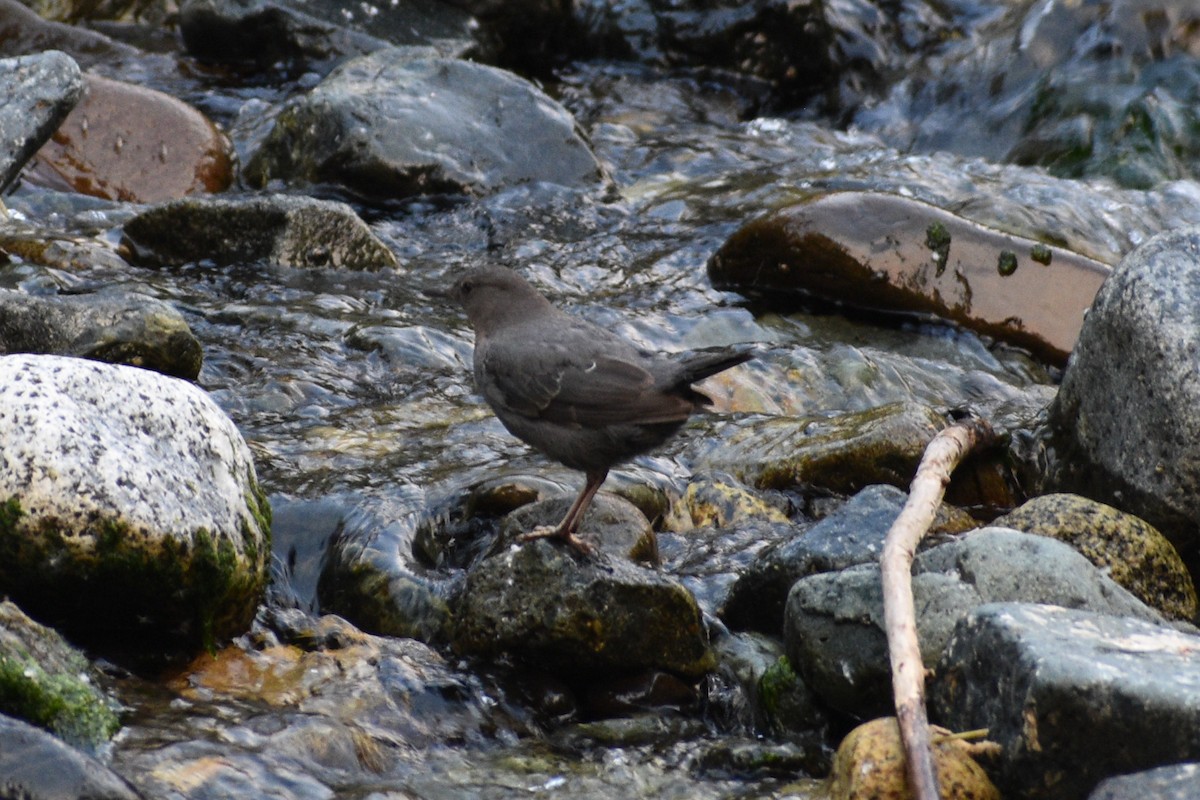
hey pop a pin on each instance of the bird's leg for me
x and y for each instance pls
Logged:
(565, 530)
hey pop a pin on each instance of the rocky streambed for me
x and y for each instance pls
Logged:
(257, 530)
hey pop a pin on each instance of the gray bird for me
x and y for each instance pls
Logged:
(578, 393)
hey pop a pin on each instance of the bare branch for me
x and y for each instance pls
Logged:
(943, 454)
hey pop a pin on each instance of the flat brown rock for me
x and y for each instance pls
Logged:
(126, 142)
(891, 253)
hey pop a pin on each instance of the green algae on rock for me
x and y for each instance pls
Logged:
(45, 681)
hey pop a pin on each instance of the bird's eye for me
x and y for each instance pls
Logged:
(466, 287)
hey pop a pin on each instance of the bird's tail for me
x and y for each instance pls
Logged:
(696, 365)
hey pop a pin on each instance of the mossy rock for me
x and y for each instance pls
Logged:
(1130, 549)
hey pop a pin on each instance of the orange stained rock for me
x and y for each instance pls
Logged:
(126, 142)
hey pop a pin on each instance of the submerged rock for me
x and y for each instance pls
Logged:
(130, 513)
(112, 326)
(1071, 696)
(539, 604)
(1126, 422)
(45, 681)
(288, 230)
(834, 625)
(398, 123)
(842, 453)
(39, 92)
(1129, 549)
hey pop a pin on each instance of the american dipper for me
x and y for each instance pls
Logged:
(579, 393)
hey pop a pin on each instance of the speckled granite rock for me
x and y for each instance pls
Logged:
(130, 512)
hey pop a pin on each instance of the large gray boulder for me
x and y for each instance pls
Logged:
(1126, 421)
(401, 122)
(130, 512)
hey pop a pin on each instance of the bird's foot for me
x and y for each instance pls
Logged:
(548, 532)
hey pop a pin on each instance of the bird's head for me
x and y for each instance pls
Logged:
(495, 296)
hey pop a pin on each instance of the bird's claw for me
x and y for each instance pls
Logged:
(547, 532)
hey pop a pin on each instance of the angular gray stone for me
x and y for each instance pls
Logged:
(112, 326)
(397, 123)
(851, 535)
(130, 511)
(1126, 421)
(39, 91)
(288, 230)
(1072, 697)
(834, 632)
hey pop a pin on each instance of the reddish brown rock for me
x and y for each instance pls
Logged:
(126, 142)
(886, 252)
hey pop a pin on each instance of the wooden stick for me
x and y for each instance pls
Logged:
(943, 454)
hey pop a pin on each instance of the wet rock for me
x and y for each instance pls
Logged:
(131, 143)
(40, 91)
(45, 681)
(111, 326)
(73, 253)
(1176, 782)
(25, 33)
(37, 765)
(1071, 696)
(1130, 550)
(288, 230)
(325, 667)
(648, 691)
(372, 577)
(842, 453)
(397, 123)
(1124, 423)
(130, 514)
(266, 31)
(853, 534)
(612, 525)
(833, 628)
(892, 253)
(777, 701)
(544, 606)
(870, 762)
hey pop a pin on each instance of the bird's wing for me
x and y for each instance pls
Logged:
(557, 385)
